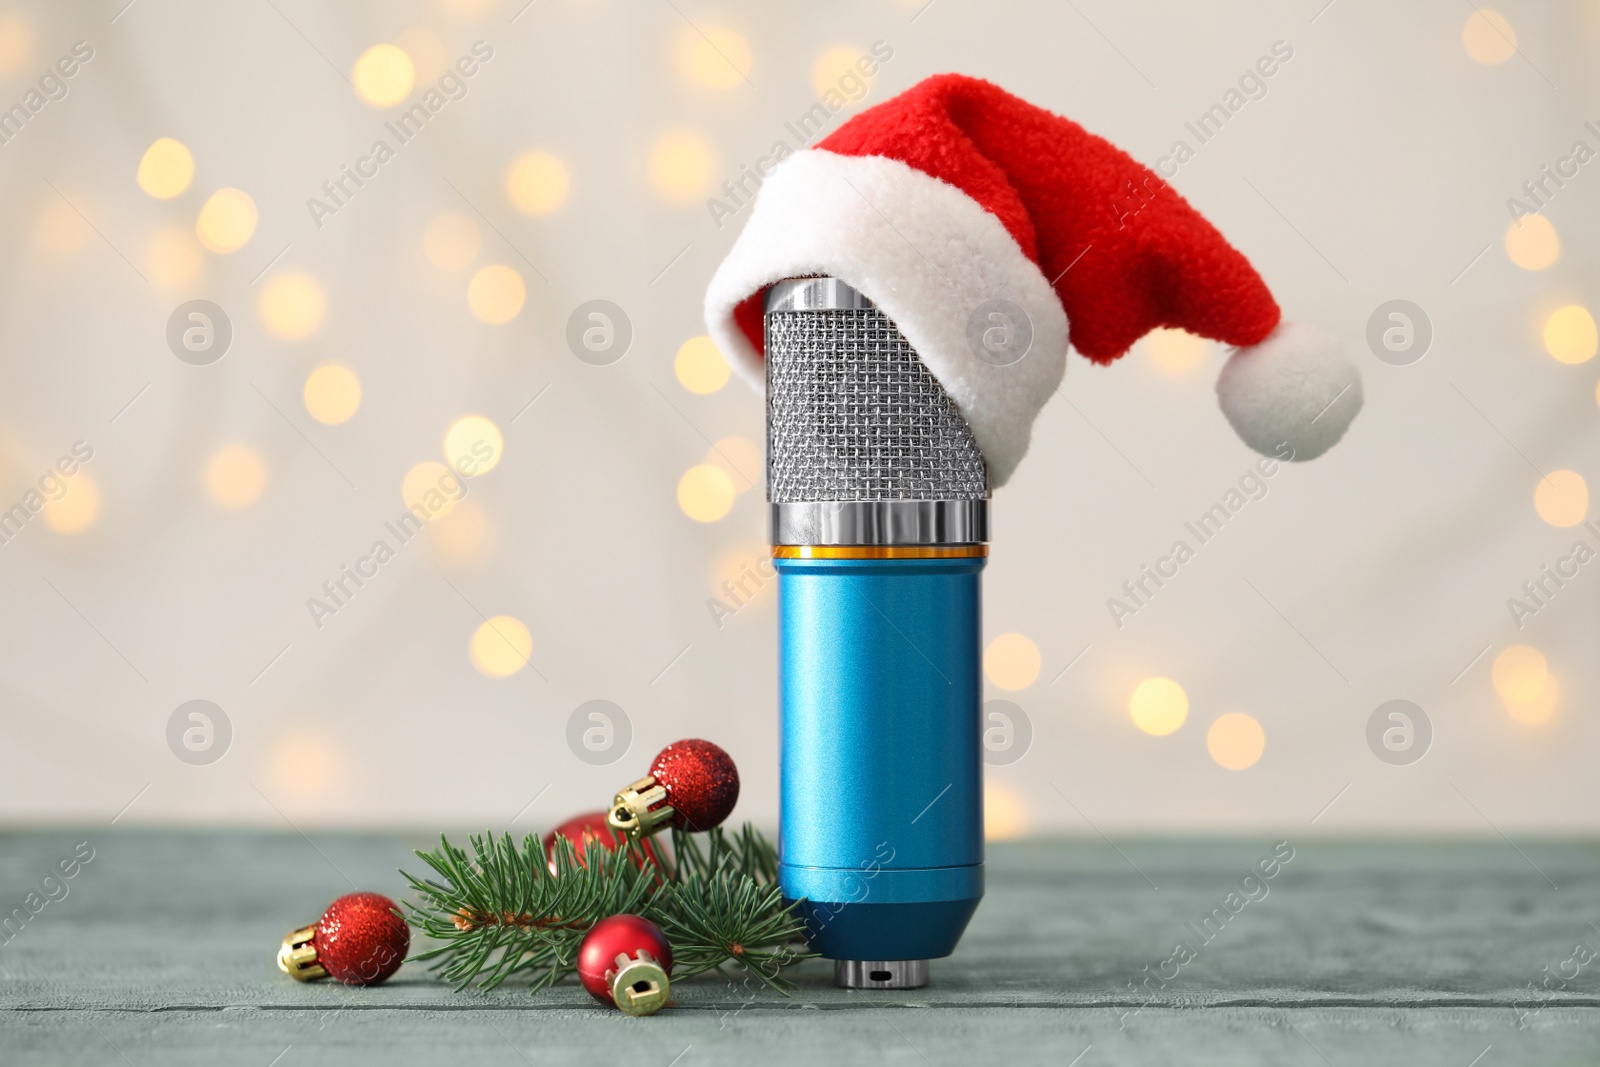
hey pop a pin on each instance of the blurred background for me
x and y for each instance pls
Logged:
(240, 338)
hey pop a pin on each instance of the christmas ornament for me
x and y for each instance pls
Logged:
(625, 960)
(586, 831)
(360, 940)
(692, 784)
(991, 198)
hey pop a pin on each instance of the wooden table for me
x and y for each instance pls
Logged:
(162, 952)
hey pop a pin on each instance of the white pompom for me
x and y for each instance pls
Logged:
(1293, 395)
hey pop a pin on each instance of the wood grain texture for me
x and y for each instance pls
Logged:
(1357, 952)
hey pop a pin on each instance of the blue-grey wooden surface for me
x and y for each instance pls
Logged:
(1361, 952)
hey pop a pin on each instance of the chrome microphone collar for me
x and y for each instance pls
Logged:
(881, 522)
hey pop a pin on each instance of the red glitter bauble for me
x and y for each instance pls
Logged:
(701, 781)
(641, 943)
(586, 831)
(361, 939)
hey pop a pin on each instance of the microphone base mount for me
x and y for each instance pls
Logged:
(880, 974)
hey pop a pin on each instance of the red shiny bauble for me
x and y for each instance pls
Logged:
(638, 940)
(701, 781)
(586, 831)
(361, 939)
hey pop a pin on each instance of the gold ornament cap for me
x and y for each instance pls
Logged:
(297, 957)
(639, 985)
(631, 812)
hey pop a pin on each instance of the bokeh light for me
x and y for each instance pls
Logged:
(332, 394)
(496, 293)
(77, 510)
(451, 241)
(291, 305)
(383, 75)
(1236, 741)
(537, 183)
(60, 230)
(1012, 661)
(16, 42)
(1005, 813)
(1569, 334)
(464, 535)
(1562, 498)
(1158, 706)
(227, 220)
(236, 476)
(1519, 674)
(174, 258)
(166, 169)
(1532, 242)
(1539, 710)
(473, 445)
(500, 647)
(740, 459)
(681, 166)
(835, 71)
(303, 764)
(1176, 351)
(700, 367)
(705, 493)
(1488, 37)
(713, 56)
(432, 487)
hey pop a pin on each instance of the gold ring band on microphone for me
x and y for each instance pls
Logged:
(879, 551)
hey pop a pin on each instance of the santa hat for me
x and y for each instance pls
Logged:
(956, 194)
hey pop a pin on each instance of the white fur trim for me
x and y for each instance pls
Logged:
(1296, 388)
(926, 254)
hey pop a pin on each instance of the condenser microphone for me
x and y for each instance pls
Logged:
(878, 496)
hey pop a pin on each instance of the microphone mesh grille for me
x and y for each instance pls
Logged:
(853, 414)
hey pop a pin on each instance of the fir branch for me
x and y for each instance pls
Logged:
(501, 911)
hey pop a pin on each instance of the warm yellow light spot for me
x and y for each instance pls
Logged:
(236, 476)
(740, 459)
(75, 511)
(291, 305)
(496, 293)
(166, 168)
(1532, 242)
(332, 393)
(836, 71)
(464, 535)
(537, 183)
(1236, 741)
(451, 242)
(303, 765)
(1488, 37)
(1538, 710)
(61, 231)
(1011, 661)
(1176, 351)
(227, 220)
(717, 58)
(1158, 706)
(466, 8)
(1562, 498)
(430, 489)
(743, 575)
(16, 42)
(501, 646)
(174, 258)
(705, 493)
(383, 75)
(700, 366)
(1569, 334)
(1005, 814)
(1519, 674)
(681, 166)
(473, 445)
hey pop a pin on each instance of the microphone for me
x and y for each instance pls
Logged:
(878, 499)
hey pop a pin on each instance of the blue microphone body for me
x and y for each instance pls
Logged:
(879, 511)
(882, 782)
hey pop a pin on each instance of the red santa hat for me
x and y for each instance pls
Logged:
(955, 194)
